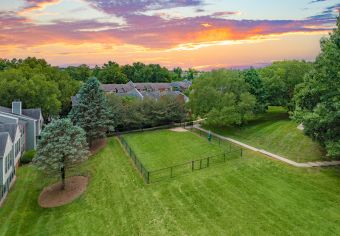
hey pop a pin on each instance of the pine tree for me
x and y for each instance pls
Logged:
(92, 112)
(62, 146)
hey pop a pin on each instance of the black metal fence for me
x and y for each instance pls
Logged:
(138, 164)
(230, 151)
(191, 166)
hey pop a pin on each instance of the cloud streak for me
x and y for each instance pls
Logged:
(127, 7)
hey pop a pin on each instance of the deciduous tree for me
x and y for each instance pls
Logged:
(318, 98)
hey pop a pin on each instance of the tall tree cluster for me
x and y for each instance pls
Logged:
(280, 79)
(129, 113)
(318, 97)
(223, 97)
(36, 84)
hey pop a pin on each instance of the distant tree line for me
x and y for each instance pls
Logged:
(233, 97)
(113, 73)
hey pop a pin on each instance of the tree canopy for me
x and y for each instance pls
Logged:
(62, 147)
(36, 84)
(256, 88)
(280, 80)
(223, 97)
(318, 98)
(131, 113)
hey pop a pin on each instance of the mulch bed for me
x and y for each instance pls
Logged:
(98, 145)
(53, 196)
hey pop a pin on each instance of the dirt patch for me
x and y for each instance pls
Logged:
(53, 196)
(179, 129)
(98, 145)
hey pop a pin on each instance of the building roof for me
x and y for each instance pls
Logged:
(33, 113)
(152, 86)
(11, 129)
(3, 142)
(116, 88)
(30, 113)
(124, 88)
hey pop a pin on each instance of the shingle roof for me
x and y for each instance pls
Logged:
(3, 142)
(152, 86)
(5, 109)
(116, 88)
(9, 128)
(31, 113)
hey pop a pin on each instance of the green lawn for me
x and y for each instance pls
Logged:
(245, 196)
(276, 133)
(163, 148)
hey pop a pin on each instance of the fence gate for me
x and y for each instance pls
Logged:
(200, 164)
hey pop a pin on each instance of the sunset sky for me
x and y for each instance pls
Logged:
(203, 34)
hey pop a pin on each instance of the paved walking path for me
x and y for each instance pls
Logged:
(272, 155)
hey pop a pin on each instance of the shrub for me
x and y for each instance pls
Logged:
(27, 157)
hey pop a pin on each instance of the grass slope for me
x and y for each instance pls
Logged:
(163, 148)
(246, 196)
(275, 132)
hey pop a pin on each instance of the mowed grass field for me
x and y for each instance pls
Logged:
(246, 196)
(163, 148)
(276, 133)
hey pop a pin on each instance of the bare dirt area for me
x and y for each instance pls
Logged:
(54, 196)
(98, 145)
(178, 129)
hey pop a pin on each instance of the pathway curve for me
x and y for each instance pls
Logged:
(272, 155)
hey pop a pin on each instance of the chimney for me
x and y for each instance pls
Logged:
(17, 107)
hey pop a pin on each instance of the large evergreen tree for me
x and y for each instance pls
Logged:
(92, 113)
(318, 98)
(62, 146)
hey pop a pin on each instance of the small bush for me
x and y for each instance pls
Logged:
(27, 157)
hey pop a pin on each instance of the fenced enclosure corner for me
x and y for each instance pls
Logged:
(151, 176)
(138, 164)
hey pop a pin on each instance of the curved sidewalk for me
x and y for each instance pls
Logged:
(272, 155)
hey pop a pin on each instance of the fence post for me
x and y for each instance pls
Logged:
(192, 165)
(148, 178)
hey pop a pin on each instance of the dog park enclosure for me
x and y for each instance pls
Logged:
(164, 154)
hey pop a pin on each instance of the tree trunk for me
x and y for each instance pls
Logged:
(63, 178)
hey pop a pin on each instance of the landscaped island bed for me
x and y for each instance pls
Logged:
(276, 133)
(246, 196)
